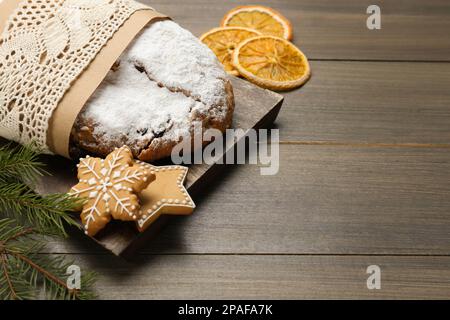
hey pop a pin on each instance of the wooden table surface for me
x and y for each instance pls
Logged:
(364, 175)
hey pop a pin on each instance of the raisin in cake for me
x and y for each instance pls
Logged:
(162, 86)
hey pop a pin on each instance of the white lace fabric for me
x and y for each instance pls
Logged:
(45, 46)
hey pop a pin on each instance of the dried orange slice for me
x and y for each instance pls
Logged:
(272, 62)
(223, 41)
(265, 20)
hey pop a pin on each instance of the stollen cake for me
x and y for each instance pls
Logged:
(162, 86)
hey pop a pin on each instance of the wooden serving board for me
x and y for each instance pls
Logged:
(255, 108)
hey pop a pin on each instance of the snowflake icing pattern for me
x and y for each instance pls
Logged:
(109, 187)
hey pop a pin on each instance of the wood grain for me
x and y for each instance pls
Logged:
(411, 30)
(325, 200)
(370, 102)
(267, 277)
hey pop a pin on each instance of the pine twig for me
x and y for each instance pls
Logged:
(22, 272)
(3, 260)
(42, 271)
(20, 164)
(20, 234)
(49, 214)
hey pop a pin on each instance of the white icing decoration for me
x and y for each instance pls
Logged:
(105, 187)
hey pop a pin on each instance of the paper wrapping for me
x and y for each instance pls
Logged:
(53, 56)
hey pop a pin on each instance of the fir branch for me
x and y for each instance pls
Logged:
(19, 169)
(20, 164)
(49, 214)
(20, 234)
(23, 271)
(3, 261)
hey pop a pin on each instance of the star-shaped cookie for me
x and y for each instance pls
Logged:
(166, 195)
(110, 188)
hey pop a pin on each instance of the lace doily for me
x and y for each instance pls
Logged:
(45, 46)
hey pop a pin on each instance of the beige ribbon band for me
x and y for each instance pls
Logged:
(6, 8)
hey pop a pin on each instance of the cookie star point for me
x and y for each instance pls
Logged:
(165, 196)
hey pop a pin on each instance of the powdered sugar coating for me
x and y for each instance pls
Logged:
(165, 80)
(179, 60)
(129, 105)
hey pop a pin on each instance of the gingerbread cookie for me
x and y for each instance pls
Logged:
(110, 187)
(166, 195)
